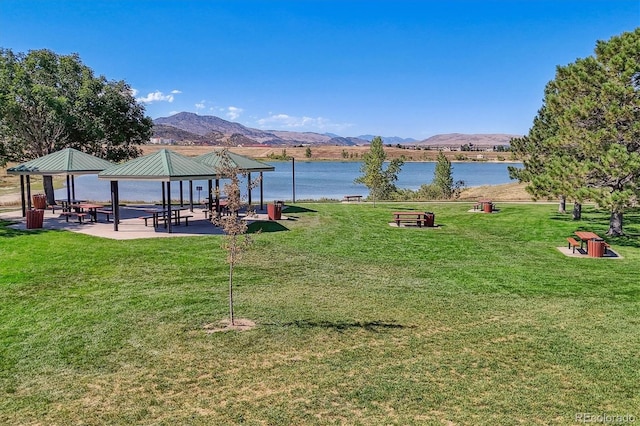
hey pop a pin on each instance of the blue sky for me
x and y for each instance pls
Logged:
(392, 68)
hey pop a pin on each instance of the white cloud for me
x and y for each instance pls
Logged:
(200, 105)
(176, 92)
(233, 113)
(134, 92)
(288, 122)
(156, 96)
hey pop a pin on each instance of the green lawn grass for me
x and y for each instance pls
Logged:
(480, 321)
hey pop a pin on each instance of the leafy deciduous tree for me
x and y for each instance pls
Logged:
(380, 181)
(443, 176)
(49, 102)
(236, 240)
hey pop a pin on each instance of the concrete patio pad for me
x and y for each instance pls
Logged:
(130, 226)
(609, 254)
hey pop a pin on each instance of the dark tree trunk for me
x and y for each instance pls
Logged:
(562, 206)
(47, 183)
(577, 211)
(615, 224)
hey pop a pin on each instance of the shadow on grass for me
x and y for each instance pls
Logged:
(12, 233)
(266, 227)
(342, 325)
(402, 209)
(6, 232)
(297, 209)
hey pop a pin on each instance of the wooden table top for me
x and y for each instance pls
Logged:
(586, 235)
(409, 213)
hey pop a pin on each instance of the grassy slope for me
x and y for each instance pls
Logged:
(481, 321)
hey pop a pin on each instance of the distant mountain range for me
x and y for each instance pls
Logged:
(187, 127)
(460, 139)
(390, 140)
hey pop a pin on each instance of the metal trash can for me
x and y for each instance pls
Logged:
(595, 247)
(274, 211)
(430, 219)
(487, 207)
(35, 219)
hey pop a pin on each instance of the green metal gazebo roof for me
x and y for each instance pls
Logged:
(68, 161)
(245, 164)
(164, 165)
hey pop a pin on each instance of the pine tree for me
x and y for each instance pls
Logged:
(591, 148)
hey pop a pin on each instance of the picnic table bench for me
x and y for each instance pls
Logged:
(349, 198)
(106, 212)
(419, 218)
(573, 244)
(54, 207)
(79, 215)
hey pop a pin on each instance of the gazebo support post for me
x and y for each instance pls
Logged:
(115, 204)
(217, 197)
(24, 202)
(69, 190)
(28, 193)
(73, 186)
(168, 221)
(164, 198)
(191, 196)
(249, 188)
(210, 197)
(261, 193)
(181, 197)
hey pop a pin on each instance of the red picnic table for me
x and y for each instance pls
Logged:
(596, 246)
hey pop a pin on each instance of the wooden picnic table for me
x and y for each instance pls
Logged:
(90, 208)
(484, 205)
(348, 198)
(162, 215)
(419, 218)
(591, 237)
(67, 205)
(159, 215)
(221, 209)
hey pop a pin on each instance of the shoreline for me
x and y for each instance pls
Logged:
(320, 154)
(337, 153)
(506, 192)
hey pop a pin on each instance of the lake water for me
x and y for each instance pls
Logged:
(313, 181)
